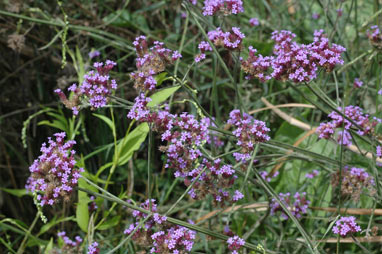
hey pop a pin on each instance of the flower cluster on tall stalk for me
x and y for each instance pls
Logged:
(156, 232)
(94, 90)
(293, 61)
(229, 40)
(355, 113)
(353, 182)
(346, 226)
(297, 206)
(53, 174)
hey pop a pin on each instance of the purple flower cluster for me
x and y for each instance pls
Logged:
(235, 243)
(68, 241)
(297, 208)
(379, 151)
(339, 12)
(94, 53)
(357, 83)
(248, 131)
(229, 40)
(95, 88)
(326, 130)
(185, 135)
(345, 226)
(353, 182)
(315, 16)
(139, 111)
(254, 22)
(92, 206)
(268, 176)
(151, 61)
(142, 236)
(293, 61)
(226, 6)
(53, 175)
(216, 180)
(93, 248)
(312, 174)
(375, 36)
(176, 239)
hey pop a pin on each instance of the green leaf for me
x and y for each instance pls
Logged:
(162, 95)
(160, 78)
(82, 211)
(110, 223)
(102, 168)
(131, 142)
(55, 124)
(52, 41)
(17, 192)
(107, 120)
(81, 68)
(49, 247)
(53, 222)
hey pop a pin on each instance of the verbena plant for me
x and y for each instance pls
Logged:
(247, 128)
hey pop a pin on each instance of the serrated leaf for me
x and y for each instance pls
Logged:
(107, 120)
(162, 95)
(131, 142)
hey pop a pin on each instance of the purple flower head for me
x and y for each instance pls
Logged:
(293, 61)
(339, 12)
(326, 130)
(344, 138)
(375, 37)
(268, 176)
(345, 226)
(151, 61)
(70, 246)
(95, 88)
(248, 131)
(97, 85)
(379, 151)
(139, 111)
(254, 22)
(298, 207)
(312, 174)
(226, 6)
(354, 181)
(53, 175)
(315, 16)
(94, 53)
(238, 195)
(357, 83)
(176, 239)
(93, 248)
(235, 243)
(230, 40)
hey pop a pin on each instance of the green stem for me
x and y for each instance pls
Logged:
(28, 233)
(74, 27)
(186, 191)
